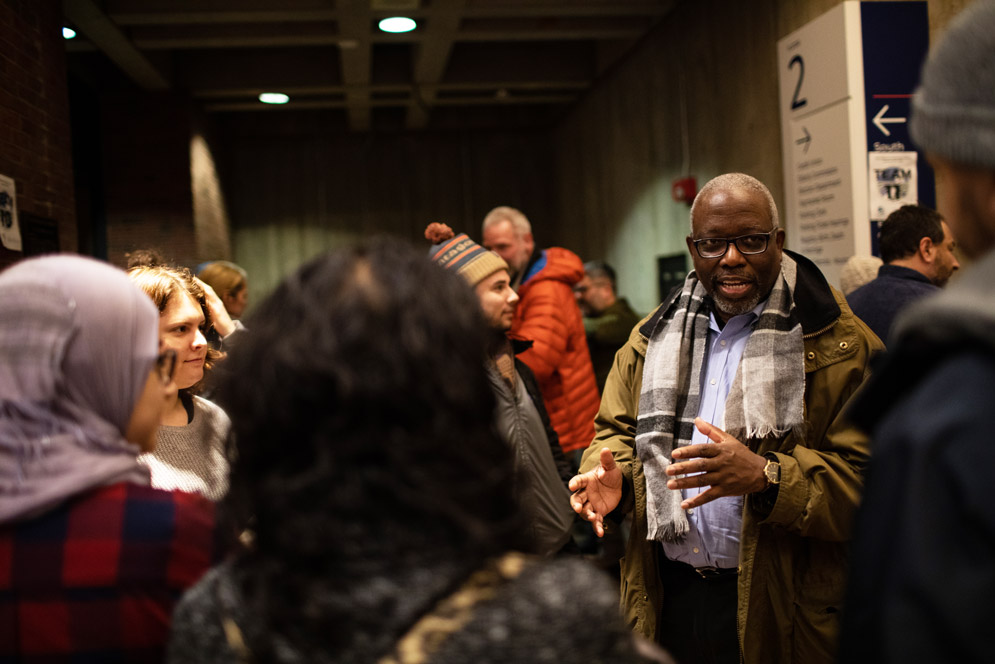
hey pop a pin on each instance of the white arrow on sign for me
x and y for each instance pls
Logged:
(880, 120)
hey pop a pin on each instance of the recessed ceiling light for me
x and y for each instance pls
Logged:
(68, 33)
(397, 24)
(273, 98)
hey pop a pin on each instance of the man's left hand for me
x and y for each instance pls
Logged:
(725, 465)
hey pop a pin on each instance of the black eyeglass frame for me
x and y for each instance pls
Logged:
(165, 365)
(734, 240)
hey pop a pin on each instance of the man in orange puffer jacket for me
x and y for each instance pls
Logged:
(548, 315)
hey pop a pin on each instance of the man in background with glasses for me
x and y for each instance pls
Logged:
(721, 429)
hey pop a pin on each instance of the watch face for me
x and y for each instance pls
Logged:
(773, 472)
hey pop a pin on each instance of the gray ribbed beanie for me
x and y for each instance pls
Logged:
(953, 110)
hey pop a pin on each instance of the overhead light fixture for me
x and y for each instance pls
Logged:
(397, 24)
(273, 98)
(68, 33)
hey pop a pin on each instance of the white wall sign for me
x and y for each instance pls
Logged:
(821, 111)
(10, 229)
(846, 77)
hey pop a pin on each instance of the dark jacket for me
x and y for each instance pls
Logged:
(541, 471)
(532, 387)
(606, 334)
(793, 553)
(880, 300)
(924, 542)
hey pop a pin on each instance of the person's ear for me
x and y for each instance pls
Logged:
(927, 250)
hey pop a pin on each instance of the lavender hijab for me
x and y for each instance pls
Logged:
(77, 342)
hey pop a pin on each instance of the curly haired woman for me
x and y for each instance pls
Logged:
(190, 453)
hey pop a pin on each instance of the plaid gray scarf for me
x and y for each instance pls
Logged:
(765, 398)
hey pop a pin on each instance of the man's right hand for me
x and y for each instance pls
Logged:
(597, 492)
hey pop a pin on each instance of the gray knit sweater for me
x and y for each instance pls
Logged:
(192, 457)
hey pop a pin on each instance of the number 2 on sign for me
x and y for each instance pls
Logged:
(796, 101)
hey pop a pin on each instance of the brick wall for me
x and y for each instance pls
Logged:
(146, 165)
(161, 186)
(35, 147)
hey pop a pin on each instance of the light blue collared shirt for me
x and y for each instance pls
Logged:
(713, 538)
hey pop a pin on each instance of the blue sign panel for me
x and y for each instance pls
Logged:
(895, 37)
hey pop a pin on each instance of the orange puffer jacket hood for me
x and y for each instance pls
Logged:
(548, 315)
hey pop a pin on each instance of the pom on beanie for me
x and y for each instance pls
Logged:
(436, 233)
(460, 253)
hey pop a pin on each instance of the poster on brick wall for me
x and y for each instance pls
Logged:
(10, 230)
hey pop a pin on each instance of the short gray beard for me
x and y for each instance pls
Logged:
(735, 308)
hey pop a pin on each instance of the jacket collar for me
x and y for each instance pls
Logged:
(901, 272)
(537, 261)
(519, 345)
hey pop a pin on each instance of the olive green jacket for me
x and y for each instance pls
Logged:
(793, 555)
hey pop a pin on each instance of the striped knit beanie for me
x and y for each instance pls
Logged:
(953, 110)
(460, 253)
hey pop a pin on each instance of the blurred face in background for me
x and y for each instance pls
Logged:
(965, 196)
(594, 295)
(180, 330)
(516, 250)
(497, 300)
(235, 302)
(945, 262)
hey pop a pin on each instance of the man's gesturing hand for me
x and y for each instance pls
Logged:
(726, 466)
(597, 492)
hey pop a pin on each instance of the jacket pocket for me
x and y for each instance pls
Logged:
(817, 623)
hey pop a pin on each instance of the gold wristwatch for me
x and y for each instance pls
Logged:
(772, 471)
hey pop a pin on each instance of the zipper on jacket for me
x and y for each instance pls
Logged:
(812, 335)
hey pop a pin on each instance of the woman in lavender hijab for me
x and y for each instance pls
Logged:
(91, 557)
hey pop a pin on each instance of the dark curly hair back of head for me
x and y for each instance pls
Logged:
(363, 450)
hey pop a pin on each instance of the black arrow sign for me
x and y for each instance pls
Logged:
(805, 141)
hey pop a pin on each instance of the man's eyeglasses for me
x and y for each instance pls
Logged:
(165, 365)
(716, 247)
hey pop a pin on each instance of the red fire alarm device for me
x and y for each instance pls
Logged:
(684, 190)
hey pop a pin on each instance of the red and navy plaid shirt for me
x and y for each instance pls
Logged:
(96, 579)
